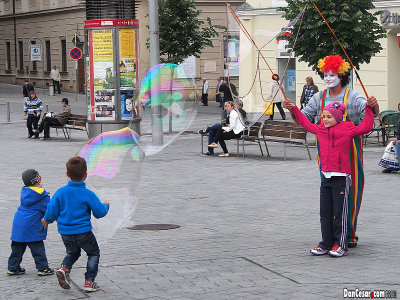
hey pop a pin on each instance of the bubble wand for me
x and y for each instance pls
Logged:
(355, 70)
(241, 25)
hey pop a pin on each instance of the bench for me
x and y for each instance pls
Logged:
(284, 132)
(379, 127)
(251, 134)
(75, 122)
(389, 126)
(271, 131)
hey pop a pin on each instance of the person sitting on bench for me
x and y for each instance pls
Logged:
(212, 130)
(58, 119)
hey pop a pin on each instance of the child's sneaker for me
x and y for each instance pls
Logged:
(20, 271)
(46, 272)
(319, 251)
(337, 251)
(63, 277)
(91, 286)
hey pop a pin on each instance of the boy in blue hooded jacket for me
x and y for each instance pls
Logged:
(72, 206)
(27, 227)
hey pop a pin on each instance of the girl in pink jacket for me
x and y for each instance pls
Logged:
(334, 137)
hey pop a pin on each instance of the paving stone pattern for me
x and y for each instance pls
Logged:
(246, 225)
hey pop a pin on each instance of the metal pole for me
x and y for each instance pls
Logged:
(29, 59)
(157, 129)
(8, 112)
(76, 68)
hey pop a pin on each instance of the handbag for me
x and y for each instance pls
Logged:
(390, 159)
(268, 108)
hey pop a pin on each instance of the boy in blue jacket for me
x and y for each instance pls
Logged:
(26, 230)
(72, 206)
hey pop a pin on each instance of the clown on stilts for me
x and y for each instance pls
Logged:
(335, 72)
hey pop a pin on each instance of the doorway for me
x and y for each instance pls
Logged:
(81, 75)
(289, 82)
(393, 73)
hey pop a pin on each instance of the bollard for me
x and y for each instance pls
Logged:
(8, 112)
(51, 90)
(47, 108)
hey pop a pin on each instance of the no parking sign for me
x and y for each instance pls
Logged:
(75, 53)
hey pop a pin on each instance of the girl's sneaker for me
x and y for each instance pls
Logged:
(46, 272)
(63, 277)
(91, 286)
(318, 251)
(337, 251)
(20, 271)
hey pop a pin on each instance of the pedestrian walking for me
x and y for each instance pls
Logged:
(218, 97)
(276, 96)
(26, 88)
(55, 75)
(204, 92)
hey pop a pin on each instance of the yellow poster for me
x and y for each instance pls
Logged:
(127, 45)
(102, 44)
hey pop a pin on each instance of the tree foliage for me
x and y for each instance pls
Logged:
(181, 32)
(356, 28)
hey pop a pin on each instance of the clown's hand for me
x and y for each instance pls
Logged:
(288, 104)
(372, 102)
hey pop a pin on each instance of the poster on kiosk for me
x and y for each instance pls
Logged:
(111, 66)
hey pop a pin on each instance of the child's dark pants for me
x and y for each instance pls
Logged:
(73, 245)
(38, 254)
(334, 211)
(32, 123)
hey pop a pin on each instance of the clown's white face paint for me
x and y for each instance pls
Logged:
(331, 79)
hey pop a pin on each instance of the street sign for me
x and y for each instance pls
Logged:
(36, 52)
(75, 53)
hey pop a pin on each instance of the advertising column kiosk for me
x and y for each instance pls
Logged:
(111, 74)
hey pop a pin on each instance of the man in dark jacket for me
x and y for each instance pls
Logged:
(26, 88)
(58, 119)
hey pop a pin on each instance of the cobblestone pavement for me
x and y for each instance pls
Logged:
(246, 225)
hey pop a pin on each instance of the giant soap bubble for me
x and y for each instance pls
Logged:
(167, 106)
(114, 162)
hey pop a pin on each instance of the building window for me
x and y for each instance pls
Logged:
(63, 55)
(8, 58)
(48, 56)
(21, 55)
(34, 63)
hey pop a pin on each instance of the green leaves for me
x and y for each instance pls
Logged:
(356, 28)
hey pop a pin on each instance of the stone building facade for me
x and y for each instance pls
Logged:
(55, 23)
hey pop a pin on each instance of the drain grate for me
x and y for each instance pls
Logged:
(154, 227)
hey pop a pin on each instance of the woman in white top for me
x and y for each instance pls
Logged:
(233, 131)
(275, 94)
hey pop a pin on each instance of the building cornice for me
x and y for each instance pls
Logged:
(43, 12)
(386, 4)
(258, 12)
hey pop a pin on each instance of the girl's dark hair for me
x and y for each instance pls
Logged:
(76, 168)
